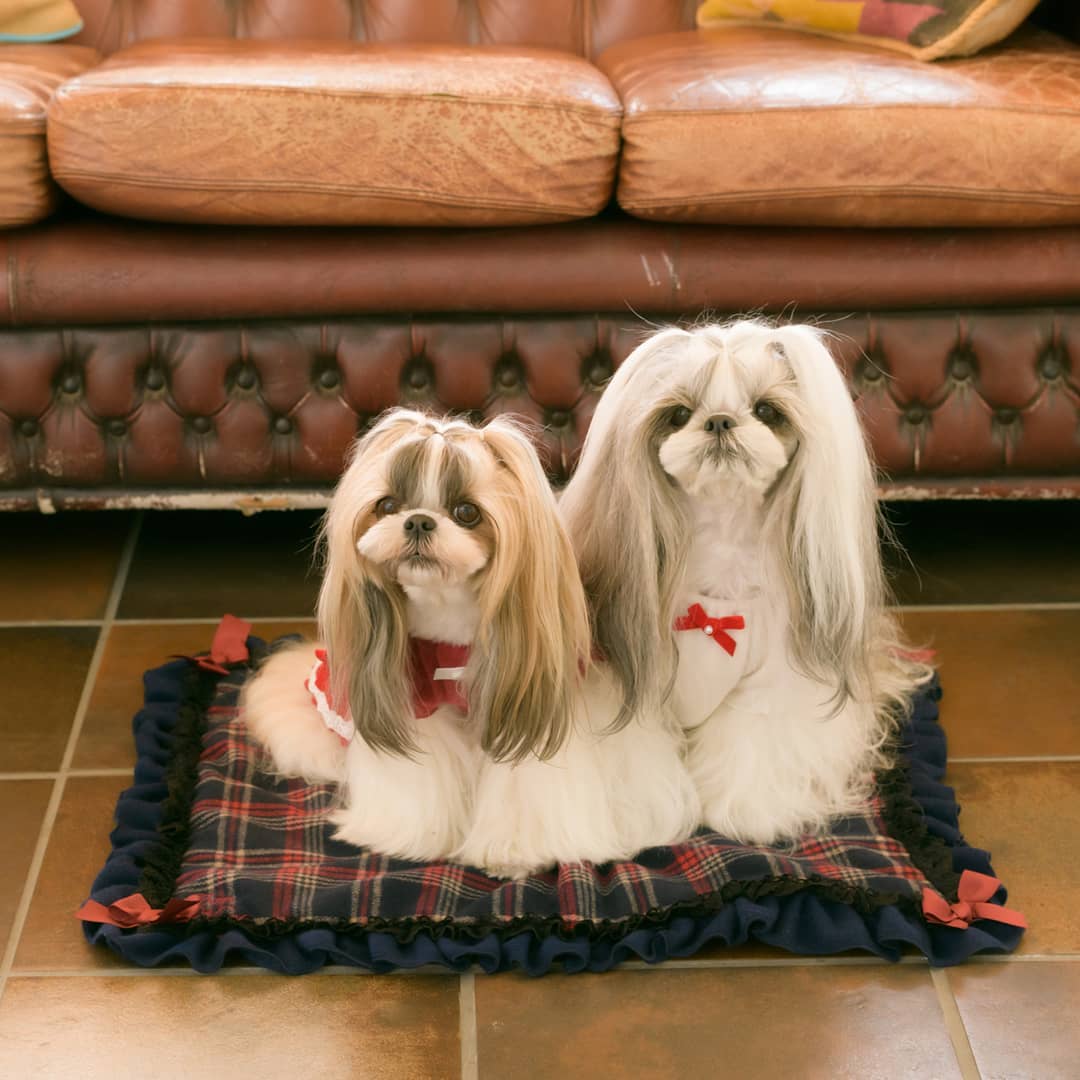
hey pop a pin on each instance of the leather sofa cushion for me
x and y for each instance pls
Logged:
(29, 75)
(753, 126)
(335, 133)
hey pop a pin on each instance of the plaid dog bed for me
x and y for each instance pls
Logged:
(212, 857)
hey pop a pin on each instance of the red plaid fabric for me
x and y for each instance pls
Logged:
(260, 849)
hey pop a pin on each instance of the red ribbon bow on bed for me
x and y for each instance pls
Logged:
(228, 647)
(717, 629)
(135, 910)
(973, 902)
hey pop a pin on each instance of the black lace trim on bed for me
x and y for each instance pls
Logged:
(902, 815)
(161, 865)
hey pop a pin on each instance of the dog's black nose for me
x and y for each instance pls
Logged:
(719, 423)
(418, 524)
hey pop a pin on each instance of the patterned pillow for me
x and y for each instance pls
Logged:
(925, 29)
(38, 20)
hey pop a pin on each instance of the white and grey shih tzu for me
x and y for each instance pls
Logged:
(724, 518)
(452, 694)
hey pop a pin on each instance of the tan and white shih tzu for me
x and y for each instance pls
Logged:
(451, 693)
(724, 517)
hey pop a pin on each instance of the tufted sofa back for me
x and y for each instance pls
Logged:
(585, 27)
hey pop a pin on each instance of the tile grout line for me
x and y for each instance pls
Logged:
(200, 620)
(954, 1025)
(330, 971)
(194, 620)
(793, 960)
(48, 624)
(341, 970)
(470, 1067)
(90, 773)
(127, 555)
(1030, 605)
(1015, 759)
(80, 774)
(208, 620)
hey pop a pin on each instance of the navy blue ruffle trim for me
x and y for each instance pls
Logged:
(801, 922)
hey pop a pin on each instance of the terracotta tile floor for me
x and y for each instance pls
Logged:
(83, 611)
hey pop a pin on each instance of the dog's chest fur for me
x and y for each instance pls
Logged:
(727, 557)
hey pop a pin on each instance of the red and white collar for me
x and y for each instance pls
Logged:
(438, 668)
(437, 671)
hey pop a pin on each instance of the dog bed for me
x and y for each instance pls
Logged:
(213, 860)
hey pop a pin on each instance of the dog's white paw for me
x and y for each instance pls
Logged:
(502, 858)
(742, 827)
(511, 872)
(397, 838)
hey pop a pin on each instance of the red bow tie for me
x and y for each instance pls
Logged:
(717, 629)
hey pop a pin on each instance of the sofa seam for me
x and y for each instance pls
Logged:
(812, 194)
(653, 113)
(288, 187)
(612, 111)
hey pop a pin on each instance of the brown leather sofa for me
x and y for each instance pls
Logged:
(254, 224)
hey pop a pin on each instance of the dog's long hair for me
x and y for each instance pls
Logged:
(533, 635)
(630, 523)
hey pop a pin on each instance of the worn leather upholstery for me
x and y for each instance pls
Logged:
(790, 129)
(29, 76)
(979, 395)
(300, 132)
(138, 361)
(585, 27)
(107, 271)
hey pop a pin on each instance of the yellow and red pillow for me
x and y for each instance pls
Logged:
(38, 20)
(925, 29)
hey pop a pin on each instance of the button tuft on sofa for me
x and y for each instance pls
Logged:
(155, 380)
(508, 374)
(962, 365)
(1052, 364)
(246, 378)
(71, 383)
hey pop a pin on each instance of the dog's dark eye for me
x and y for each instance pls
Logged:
(387, 505)
(768, 414)
(466, 514)
(680, 416)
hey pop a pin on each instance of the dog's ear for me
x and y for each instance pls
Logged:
(361, 613)
(533, 639)
(824, 512)
(628, 525)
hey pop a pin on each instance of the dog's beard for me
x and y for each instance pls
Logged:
(713, 468)
(418, 568)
